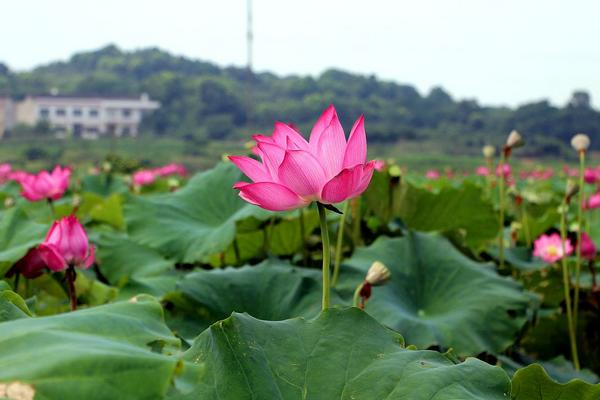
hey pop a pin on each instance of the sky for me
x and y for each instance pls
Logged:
(505, 52)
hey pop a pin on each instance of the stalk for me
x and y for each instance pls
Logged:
(501, 205)
(356, 297)
(303, 236)
(579, 231)
(355, 202)
(565, 273)
(338, 246)
(326, 254)
(70, 275)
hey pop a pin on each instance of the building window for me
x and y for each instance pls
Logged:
(126, 130)
(44, 113)
(77, 112)
(93, 112)
(60, 112)
(126, 112)
(92, 129)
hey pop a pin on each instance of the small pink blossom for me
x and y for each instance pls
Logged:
(67, 244)
(588, 248)
(44, 185)
(550, 249)
(432, 174)
(591, 176)
(294, 172)
(144, 177)
(503, 170)
(170, 169)
(593, 201)
(482, 171)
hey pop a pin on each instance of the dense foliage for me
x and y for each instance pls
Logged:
(202, 101)
(196, 294)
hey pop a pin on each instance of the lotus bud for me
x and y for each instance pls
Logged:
(76, 201)
(489, 151)
(580, 142)
(378, 274)
(514, 140)
(106, 166)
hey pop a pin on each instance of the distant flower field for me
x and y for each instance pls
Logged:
(302, 270)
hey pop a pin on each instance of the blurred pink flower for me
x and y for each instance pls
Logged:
(503, 170)
(482, 171)
(44, 185)
(67, 244)
(170, 169)
(144, 177)
(590, 176)
(549, 248)
(593, 201)
(571, 172)
(588, 248)
(294, 172)
(432, 174)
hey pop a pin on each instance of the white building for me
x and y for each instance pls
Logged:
(84, 117)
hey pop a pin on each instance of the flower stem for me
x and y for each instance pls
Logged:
(70, 275)
(579, 232)
(356, 297)
(236, 252)
(565, 273)
(501, 205)
(326, 254)
(338, 245)
(355, 202)
(303, 236)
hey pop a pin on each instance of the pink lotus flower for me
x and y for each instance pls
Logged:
(30, 266)
(67, 244)
(294, 172)
(44, 185)
(593, 201)
(503, 170)
(482, 171)
(170, 169)
(588, 248)
(590, 176)
(143, 177)
(571, 172)
(432, 174)
(549, 248)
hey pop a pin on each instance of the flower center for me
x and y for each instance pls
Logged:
(552, 251)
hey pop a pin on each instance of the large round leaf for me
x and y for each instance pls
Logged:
(463, 209)
(194, 222)
(437, 296)
(116, 351)
(533, 383)
(17, 235)
(342, 354)
(273, 290)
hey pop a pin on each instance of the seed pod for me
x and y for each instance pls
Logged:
(378, 274)
(489, 151)
(514, 140)
(580, 142)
